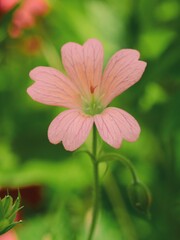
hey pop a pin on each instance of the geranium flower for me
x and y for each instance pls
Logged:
(87, 91)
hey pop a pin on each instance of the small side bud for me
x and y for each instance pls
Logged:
(8, 211)
(140, 197)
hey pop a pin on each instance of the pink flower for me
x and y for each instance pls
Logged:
(36, 7)
(7, 5)
(87, 91)
(26, 15)
(10, 235)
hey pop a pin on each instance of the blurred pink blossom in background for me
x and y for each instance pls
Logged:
(10, 235)
(87, 92)
(26, 14)
(7, 5)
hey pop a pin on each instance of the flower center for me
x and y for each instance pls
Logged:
(92, 106)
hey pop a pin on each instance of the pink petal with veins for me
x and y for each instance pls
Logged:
(114, 124)
(123, 70)
(84, 64)
(71, 127)
(51, 87)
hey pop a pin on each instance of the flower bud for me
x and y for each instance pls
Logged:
(8, 211)
(140, 197)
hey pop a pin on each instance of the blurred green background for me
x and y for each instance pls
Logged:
(57, 185)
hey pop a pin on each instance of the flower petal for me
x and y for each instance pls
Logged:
(84, 64)
(114, 124)
(71, 127)
(51, 87)
(123, 70)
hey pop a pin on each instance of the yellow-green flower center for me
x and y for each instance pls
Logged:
(92, 107)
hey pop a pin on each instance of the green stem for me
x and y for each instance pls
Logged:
(94, 143)
(96, 185)
(123, 160)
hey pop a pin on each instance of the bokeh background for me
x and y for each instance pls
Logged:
(56, 186)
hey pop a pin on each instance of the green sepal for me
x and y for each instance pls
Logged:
(6, 229)
(8, 211)
(7, 203)
(15, 208)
